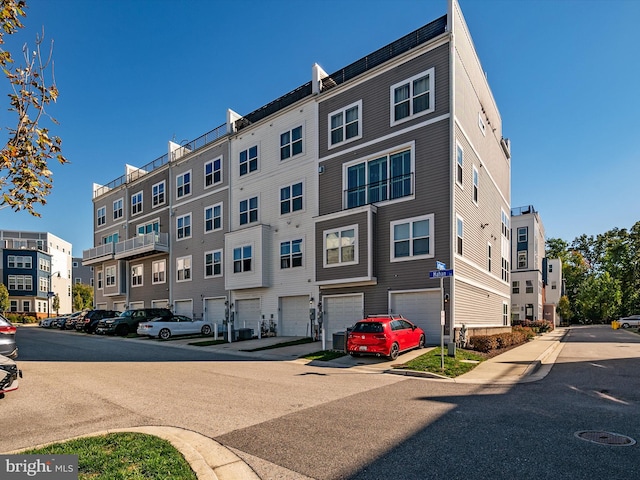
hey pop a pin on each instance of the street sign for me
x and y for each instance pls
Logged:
(440, 273)
(51, 294)
(441, 265)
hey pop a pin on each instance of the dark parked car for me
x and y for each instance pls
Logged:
(89, 322)
(129, 320)
(384, 335)
(69, 323)
(9, 374)
(8, 346)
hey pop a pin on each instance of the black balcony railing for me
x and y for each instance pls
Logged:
(375, 192)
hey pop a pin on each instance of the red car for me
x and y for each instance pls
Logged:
(384, 335)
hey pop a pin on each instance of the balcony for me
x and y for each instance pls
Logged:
(98, 254)
(376, 192)
(140, 246)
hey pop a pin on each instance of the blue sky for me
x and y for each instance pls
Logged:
(135, 74)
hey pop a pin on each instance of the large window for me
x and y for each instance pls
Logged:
(110, 276)
(151, 227)
(522, 259)
(159, 268)
(136, 203)
(291, 254)
(213, 264)
(522, 234)
(291, 198)
(213, 172)
(19, 261)
(344, 124)
(412, 97)
(242, 257)
(213, 218)
(183, 269)
(383, 178)
(291, 143)
(117, 209)
(137, 275)
(44, 265)
(340, 246)
(43, 284)
(20, 282)
(411, 238)
(157, 194)
(515, 287)
(183, 226)
(249, 210)
(528, 286)
(183, 184)
(111, 238)
(249, 160)
(101, 216)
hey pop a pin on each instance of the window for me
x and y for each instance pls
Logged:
(522, 234)
(110, 276)
(183, 269)
(136, 275)
(384, 178)
(344, 124)
(77, 280)
(157, 194)
(44, 265)
(20, 282)
(291, 143)
(505, 246)
(489, 257)
(459, 234)
(291, 199)
(117, 209)
(91, 282)
(554, 285)
(183, 226)
(213, 264)
(515, 287)
(249, 160)
(522, 259)
(481, 125)
(99, 275)
(75, 265)
(101, 216)
(213, 172)
(242, 259)
(411, 238)
(158, 268)
(19, 261)
(136, 203)
(340, 246)
(550, 268)
(112, 238)
(249, 210)
(459, 164)
(505, 224)
(412, 97)
(151, 227)
(291, 254)
(529, 286)
(213, 218)
(13, 306)
(505, 314)
(183, 184)
(476, 184)
(43, 284)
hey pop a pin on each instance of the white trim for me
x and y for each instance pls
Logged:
(204, 172)
(459, 148)
(141, 203)
(164, 194)
(292, 212)
(181, 175)
(302, 140)
(431, 218)
(430, 73)
(356, 238)
(343, 110)
(183, 269)
(164, 262)
(184, 237)
(212, 252)
(204, 217)
(141, 284)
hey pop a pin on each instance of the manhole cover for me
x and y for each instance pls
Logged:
(606, 438)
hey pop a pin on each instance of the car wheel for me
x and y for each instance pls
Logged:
(122, 330)
(625, 325)
(206, 330)
(164, 334)
(394, 352)
(421, 342)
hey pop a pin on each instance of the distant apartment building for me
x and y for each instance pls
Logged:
(81, 273)
(35, 267)
(330, 203)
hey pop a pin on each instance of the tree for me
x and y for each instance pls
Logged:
(4, 298)
(82, 296)
(564, 308)
(56, 304)
(25, 177)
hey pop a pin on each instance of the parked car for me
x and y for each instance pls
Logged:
(384, 335)
(128, 321)
(89, 321)
(9, 374)
(8, 346)
(48, 322)
(166, 327)
(630, 321)
(69, 322)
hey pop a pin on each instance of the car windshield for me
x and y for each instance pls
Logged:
(127, 313)
(368, 327)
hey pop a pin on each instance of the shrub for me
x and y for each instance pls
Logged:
(484, 343)
(19, 318)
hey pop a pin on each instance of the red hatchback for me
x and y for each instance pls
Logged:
(384, 335)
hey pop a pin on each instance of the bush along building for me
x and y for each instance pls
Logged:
(331, 203)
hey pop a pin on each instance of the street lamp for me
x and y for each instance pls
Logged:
(50, 293)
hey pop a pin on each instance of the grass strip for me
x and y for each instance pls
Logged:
(463, 362)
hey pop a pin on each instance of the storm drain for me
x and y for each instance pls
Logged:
(606, 438)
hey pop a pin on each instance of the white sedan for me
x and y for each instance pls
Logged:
(164, 328)
(631, 321)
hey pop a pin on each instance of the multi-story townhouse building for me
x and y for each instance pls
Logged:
(81, 273)
(35, 267)
(332, 202)
(528, 260)
(554, 289)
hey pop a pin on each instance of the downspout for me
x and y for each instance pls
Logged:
(452, 163)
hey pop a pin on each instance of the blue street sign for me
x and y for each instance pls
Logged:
(440, 273)
(441, 265)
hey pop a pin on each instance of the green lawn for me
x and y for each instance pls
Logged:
(123, 456)
(464, 361)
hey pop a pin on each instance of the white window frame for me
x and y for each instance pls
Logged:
(291, 255)
(118, 208)
(137, 275)
(213, 263)
(159, 272)
(153, 226)
(110, 277)
(101, 216)
(242, 249)
(476, 185)
(522, 234)
(409, 81)
(522, 259)
(22, 283)
(459, 165)
(287, 148)
(343, 127)
(43, 284)
(411, 221)
(249, 210)
(481, 124)
(515, 287)
(183, 269)
(459, 235)
(505, 313)
(249, 161)
(183, 231)
(489, 256)
(100, 280)
(158, 194)
(213, 217)
(183, 184)
(136, 203)
(44, 265)
(340, 262)
(528, 286)
(215, 172)
(292, 199)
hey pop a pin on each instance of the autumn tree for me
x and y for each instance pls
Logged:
(82, 296)
(25, 177)
(4, 298)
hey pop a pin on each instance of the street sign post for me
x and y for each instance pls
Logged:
(440, 273)
(441, 265)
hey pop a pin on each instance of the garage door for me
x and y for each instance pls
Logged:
(294, 316)
(247, 314)
(341, 312)
(159, 303)
(421, 308)
(214, 310)
(136, 305)
(119, 306)
(183, 307)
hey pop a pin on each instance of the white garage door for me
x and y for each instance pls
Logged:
(214, 310)
(159, 303)
(294, 319)
(247, 314)
(421, 308)
(341, 312)
(135, 305)
(119, 306)
(183, 307)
